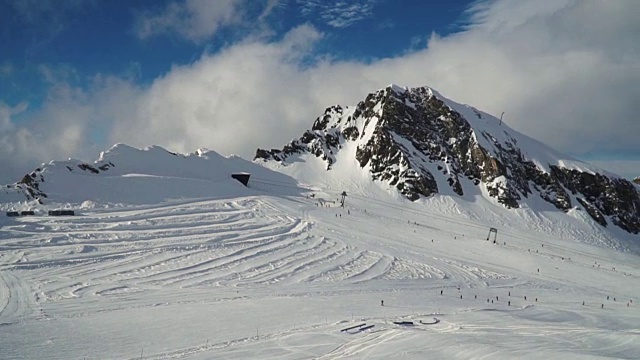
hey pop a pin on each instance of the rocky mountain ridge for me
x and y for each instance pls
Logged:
(412, 139)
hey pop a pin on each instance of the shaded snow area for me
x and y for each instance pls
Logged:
(272, 272)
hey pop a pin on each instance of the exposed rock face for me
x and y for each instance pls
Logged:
(411, 138)
(637, 180)
(30, 183)
(603, 196)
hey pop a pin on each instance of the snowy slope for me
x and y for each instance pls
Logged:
(267, 275)
(536, 217)
(126, 175)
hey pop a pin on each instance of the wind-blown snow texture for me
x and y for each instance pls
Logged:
(422, 144)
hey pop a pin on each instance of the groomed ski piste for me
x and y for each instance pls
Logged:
(282, 271)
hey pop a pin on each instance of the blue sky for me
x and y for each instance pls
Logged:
(77, 76)
(85, 38)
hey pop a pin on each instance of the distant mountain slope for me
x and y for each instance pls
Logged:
(422, 144)
(637, 180)
(124, 174)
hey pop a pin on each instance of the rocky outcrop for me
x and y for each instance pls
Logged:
(637, 180)
(30, 184)
(411, 138)
(602, 196)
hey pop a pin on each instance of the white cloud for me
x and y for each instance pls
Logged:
(338, 13)
(51, 133)
(6, 112)
(563, 71)
(270, 6)
(560, 73)
(195, 20)
(248, 91)
(70, 122)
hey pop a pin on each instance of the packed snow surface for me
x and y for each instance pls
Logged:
(209, 269)
(278, 277)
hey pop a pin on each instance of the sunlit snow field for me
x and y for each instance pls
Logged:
(267, 275)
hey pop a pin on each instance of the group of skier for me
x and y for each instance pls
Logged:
(489, 300)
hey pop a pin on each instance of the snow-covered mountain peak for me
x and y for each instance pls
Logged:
(422, 143)
(123, 151)
(203, 152)
(397, 88)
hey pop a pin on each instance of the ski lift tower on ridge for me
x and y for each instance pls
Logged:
(495, 234)
(344, 194)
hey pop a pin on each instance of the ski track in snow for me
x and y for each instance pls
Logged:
(16, 299)
(301, 271)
